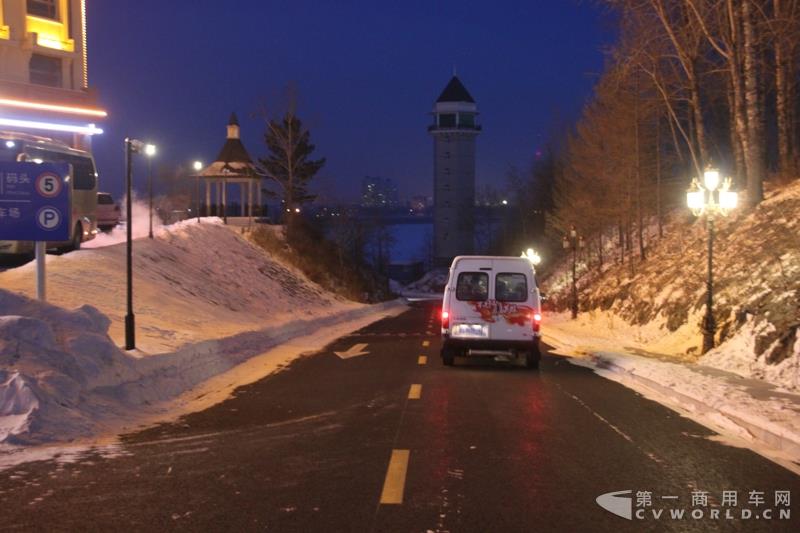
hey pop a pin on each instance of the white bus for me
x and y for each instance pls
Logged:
(21, 147)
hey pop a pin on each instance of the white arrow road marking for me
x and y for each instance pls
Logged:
(354, 351)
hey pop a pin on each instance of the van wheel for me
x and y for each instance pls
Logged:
(77, 237)
(448, 357)
(532, 358)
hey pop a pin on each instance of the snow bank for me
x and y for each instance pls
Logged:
(192, 282)
(431, 285)
(205, 300)
(756, 414)
(62, 377)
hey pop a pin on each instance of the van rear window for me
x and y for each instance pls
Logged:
(472, 286)
(511, 287)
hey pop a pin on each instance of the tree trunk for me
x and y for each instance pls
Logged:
(697, 116)
(736, 141)
(782, 101)
(754, 154)
(658, 179)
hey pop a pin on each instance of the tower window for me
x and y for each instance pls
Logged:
(43, 8)
(466, 119)
(447, 120)
(45, 70)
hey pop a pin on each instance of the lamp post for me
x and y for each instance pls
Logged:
(712, 198)
(150, 151)
(198, 166)
(132, 146)
(573, 241)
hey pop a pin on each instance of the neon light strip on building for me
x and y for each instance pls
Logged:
(84, 51)
(53, 107)
(89, 129)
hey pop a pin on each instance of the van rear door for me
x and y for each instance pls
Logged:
(513, 312)
(468, 299)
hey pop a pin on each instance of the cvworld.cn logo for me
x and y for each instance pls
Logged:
(617, 503)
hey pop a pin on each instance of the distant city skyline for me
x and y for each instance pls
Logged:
(366, 79)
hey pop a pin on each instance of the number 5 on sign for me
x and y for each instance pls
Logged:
(48, 185)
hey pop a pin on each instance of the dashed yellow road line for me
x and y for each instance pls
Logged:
(423, 360)
(426, 343)
(395, 482)
(415, 391)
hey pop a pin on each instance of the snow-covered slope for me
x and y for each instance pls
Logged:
(192, 282)
(660, 302)
(206, 301)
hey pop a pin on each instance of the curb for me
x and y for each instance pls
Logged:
(207, 359)
(787, 443)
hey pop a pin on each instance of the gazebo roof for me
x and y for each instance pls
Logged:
(233, 160)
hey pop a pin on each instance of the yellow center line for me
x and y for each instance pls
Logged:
(395, 482)
(426, 343)
(415, 392)
(423, 359)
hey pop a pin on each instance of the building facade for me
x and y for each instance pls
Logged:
(44, 81)
(454, 131)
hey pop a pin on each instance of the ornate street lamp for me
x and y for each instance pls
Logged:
(575, 242)
(711, 198)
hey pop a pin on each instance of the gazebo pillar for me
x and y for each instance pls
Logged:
(250, 198)
(207, 211)
(225, 200)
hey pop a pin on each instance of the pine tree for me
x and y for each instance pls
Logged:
(288, 163)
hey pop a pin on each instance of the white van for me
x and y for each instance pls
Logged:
(492, 308)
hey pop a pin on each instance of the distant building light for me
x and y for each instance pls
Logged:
(10, 144)
(505, 202)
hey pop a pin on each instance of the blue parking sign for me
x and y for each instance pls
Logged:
(35, 202)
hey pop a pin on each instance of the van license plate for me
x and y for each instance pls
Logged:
(473, 331)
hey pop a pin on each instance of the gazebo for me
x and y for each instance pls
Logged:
(233, 165)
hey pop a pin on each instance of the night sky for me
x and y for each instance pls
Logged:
(366, 75)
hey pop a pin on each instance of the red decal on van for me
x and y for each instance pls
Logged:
(518, 315)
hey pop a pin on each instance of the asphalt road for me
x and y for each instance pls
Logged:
(337, 445)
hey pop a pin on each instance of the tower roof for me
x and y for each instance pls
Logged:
(455, 92)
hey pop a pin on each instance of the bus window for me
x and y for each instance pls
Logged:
(83, 173)
(84, 176)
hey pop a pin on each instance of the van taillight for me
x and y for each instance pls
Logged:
(537, 321)
(445, 319)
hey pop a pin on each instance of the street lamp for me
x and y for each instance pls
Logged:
(198, 166)
(531, 255)
(150, 151)
(712, 198)
(573, 241)
(132, 146)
